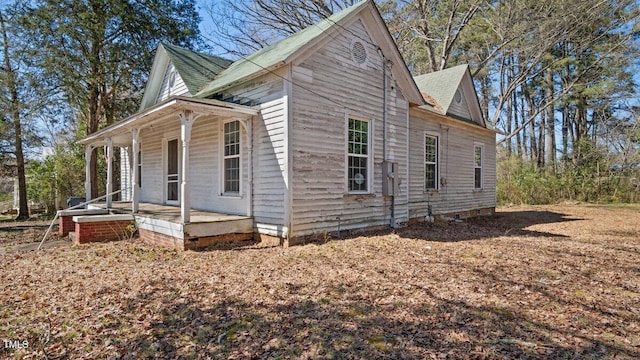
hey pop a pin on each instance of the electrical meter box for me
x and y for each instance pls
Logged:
(389, 178)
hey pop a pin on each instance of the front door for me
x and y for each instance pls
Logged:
(173, 174)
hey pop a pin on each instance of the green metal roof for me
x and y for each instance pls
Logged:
(441, 85)
(195, 69)
(277, 53)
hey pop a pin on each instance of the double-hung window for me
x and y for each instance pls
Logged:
(358, 153)
(430, 162)
(231, 171)
(477, 165)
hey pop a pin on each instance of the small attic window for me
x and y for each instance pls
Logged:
(358, 52)
(457, 97)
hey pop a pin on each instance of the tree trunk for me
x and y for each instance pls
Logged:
(532, 125)
(93, 120)
(486, 95)
(541, 141)
(12, 87)
(525, 152)
(551, 129)
(23, 212)
(565, 133)
(510, 104)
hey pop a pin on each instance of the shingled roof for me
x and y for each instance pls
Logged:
(196, 69)
(441, 86)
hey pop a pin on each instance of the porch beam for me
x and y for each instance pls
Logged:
(135, 191)
(88, 151)
(109, 157)
(187, 118)
(169, 107)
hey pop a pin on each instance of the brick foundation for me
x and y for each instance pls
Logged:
(66, 225)
(100, 231)
(311, 238)
(268, 240)
(490, 211)
(225, 240)
(65, 218)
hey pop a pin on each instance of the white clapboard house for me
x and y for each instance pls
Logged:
(325, 131)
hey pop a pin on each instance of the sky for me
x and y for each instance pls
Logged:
(206, 25)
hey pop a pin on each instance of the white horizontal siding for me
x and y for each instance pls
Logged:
(460, 109)
(125, 175)
(151, 138)
(331, 87)
(456, 165)
(204, 170)
(261, 90)
(269, 164)
(205, 177)
(269, 152)
(178, 88)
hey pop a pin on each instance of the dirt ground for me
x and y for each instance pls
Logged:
(552, 282)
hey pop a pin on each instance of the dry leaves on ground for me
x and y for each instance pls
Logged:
(531, 282)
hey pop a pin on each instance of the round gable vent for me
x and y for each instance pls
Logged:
(457, 96)
(358, 52)
(172, 79)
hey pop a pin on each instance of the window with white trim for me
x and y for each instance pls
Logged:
(430, 162)
(477, 166)
(231, 159)
(358, 152)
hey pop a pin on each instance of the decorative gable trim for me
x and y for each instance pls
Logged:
(471, 98)
(156, 77)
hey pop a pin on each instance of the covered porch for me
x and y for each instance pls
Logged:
(162, 224)
(168, 218)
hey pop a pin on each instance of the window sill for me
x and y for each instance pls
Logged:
(431, 191)
(230, 196)
(478, 190)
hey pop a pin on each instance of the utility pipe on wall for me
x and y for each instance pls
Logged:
(385, 62)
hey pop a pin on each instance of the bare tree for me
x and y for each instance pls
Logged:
(244, 26)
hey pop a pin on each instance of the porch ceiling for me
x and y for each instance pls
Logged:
(120, 132)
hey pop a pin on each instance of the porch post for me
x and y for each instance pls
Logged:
(187, 118)
(186, 121)
(88, 150)
(135, 193)
(109, 171)
(248, 128)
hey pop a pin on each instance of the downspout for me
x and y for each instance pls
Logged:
(384, 106)
(392, 220)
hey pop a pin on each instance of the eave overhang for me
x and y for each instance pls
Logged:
(120, 132)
